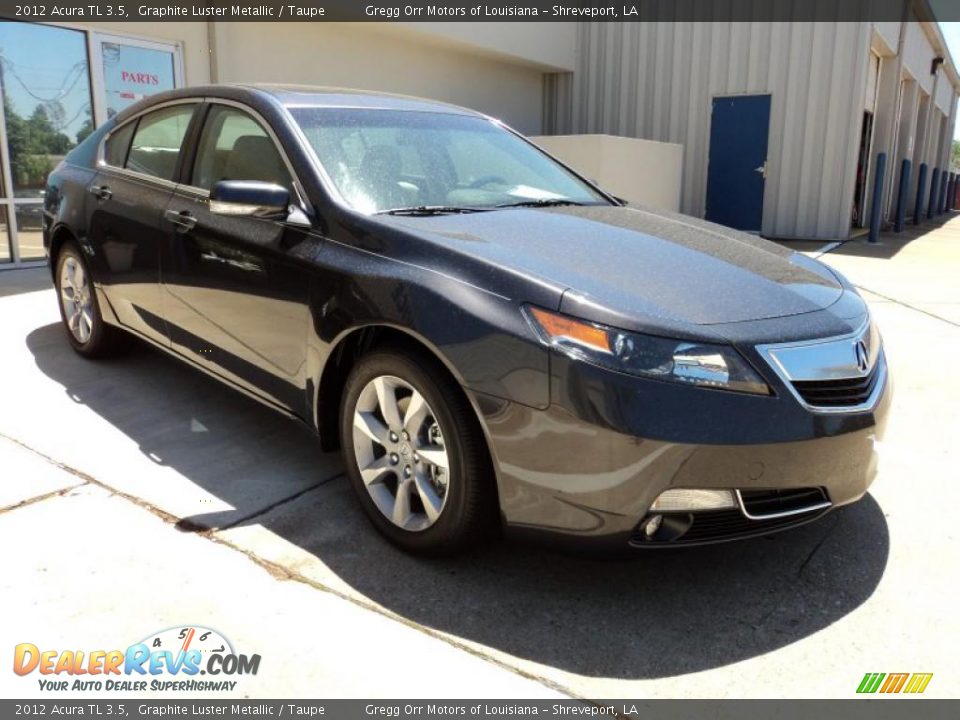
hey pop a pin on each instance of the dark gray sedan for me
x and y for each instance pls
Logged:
(491, 340)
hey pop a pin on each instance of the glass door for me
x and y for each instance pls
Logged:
(46, 111)
(52, 99)
(126, 70)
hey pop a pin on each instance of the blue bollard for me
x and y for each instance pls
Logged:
(902, 196)
(921, 193)
(942, 200)
(934, 186)
(877, 198)
(952, 192)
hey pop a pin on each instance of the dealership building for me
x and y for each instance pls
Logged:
(781, 123)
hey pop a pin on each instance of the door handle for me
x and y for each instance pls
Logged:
(183, 220)
(101, 192)
(762, 170)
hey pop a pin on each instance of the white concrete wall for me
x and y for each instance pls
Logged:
(500, 74)
(641, 172)
(551, 46)
(371, 57)
(946, 96)
(889, 33)
(917, 55)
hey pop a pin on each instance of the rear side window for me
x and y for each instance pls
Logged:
(234, 146)
(115, 150)
(156, 143)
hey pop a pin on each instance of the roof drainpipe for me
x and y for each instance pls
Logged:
(212, 51)
(894, 132)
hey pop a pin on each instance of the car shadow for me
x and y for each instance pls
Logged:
(655, 614)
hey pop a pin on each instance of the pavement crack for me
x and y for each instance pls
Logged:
(282, 573)
(40, 498)
(901, 303)
(184, 524)
(90, 480)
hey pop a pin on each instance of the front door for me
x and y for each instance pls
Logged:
(739, 131)
(235, 298)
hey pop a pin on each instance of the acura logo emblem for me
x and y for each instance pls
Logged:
(861, 355)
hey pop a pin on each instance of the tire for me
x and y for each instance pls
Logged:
(449, 509)
(82, 320)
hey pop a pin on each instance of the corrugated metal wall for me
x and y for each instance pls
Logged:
(657, 80)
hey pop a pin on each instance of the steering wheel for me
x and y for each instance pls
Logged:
(486, 180)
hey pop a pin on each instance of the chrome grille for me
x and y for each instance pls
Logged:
(784, 501)
(832, 375)
(847, 392)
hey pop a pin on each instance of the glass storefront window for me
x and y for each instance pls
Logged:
(46, 99)
(30, 231)
(56, 84)
(5, 256)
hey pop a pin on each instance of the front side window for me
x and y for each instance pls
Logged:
(157, 140)
(383, 160)
(234, 146)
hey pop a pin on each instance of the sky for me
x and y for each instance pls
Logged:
(951, 33)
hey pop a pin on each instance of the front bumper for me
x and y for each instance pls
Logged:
(586, 469)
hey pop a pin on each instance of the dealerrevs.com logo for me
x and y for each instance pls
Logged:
(172, 659)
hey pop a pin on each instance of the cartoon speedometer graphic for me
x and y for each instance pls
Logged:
(181, 639)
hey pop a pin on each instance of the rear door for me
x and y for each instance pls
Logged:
(236, 299)
(736, 177)
(134, 184)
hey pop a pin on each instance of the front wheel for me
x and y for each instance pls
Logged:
(415, 454)
(88, 334)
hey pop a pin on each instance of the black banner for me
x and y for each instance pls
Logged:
(485, 10)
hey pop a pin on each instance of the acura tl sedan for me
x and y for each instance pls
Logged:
(491, 340)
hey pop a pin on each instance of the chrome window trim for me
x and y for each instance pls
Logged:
(198, 192)
(298, 187)
(877, 361)
(126, 172)
(786, 513)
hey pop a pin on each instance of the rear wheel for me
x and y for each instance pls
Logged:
(415, 454)
(87, 332)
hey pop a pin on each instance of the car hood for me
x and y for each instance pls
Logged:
(633, 263)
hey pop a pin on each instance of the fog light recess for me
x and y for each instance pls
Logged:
(693, 500)
(651, 526)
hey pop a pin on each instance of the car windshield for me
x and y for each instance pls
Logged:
(389, 160)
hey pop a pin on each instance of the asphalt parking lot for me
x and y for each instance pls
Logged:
(138, 495)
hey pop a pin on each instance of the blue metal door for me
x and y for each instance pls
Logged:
(739, 129)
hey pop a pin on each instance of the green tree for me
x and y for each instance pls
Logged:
(31, 142)
(955, 156)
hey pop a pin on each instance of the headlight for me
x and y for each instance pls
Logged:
(691, 363)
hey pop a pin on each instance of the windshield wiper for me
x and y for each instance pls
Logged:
(542, 202)
(432, 210)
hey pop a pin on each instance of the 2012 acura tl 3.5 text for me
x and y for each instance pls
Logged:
(490, 339)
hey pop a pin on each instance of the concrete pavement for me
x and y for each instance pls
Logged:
(217, 511)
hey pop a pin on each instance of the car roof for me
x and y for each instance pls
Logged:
(300, 96)
(317, 96)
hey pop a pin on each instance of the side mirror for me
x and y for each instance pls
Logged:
(250, 198)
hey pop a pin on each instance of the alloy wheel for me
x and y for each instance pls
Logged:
(400, 452)
(76, 297)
